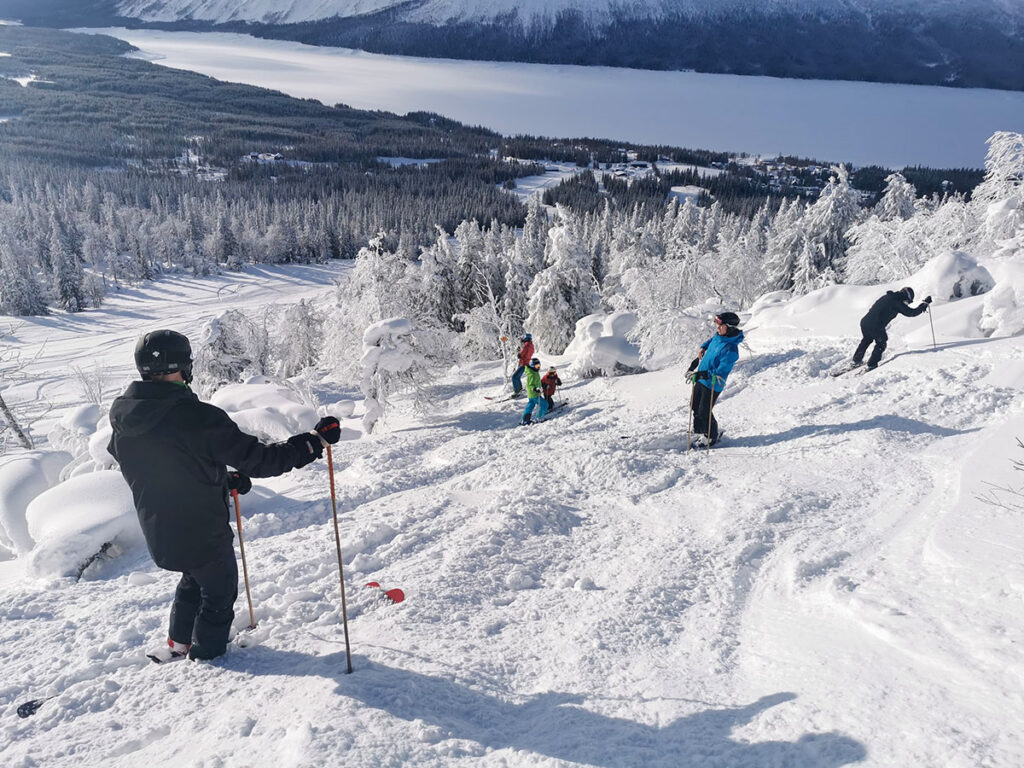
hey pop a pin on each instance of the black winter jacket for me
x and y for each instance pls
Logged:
(173, 449)
(884, 311)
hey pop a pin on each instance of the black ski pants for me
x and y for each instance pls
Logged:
(204, 605)
(871, 333)
(703, 402)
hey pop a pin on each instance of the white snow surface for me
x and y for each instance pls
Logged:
(834, 121)
(825, 588)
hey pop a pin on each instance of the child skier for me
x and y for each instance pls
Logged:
(883, 312)
(525, 355)
(533, 392)
(548, 385)
(174, 450)
(714, 362)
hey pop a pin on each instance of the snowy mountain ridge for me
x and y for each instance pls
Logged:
(443, 11)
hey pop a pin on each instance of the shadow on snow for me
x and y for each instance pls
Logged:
(556, 724)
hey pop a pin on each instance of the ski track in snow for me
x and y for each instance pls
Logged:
(582, 591)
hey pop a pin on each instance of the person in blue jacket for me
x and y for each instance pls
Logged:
(709, 371)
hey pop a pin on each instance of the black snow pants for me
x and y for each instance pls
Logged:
(871, 333)
(703, 402)
(203, 606)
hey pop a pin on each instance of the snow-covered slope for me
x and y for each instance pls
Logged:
(823, 588)
(442, 11)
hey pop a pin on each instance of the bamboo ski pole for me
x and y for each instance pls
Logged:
(245, 567)
(341, 572)
(932, 323)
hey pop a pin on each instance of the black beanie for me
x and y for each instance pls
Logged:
(728, 318)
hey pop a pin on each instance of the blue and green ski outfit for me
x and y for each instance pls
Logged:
(533, 392)
(719, 355)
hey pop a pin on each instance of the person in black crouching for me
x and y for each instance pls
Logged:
(174, 452)
(883, 312)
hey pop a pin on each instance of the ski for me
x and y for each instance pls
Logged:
(394, 595)
(844, 369)
(883, 362)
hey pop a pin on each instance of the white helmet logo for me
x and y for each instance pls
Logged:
(156, 353)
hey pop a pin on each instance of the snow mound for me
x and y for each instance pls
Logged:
(267, 410)
(72, 521)
(23, 477)
(600, 344)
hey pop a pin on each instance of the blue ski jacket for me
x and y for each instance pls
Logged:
(720, 355)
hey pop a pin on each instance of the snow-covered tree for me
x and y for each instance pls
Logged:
(390, 364)
(998, 202)
(231, 348)
(898, 201)
(20, 292)
(300, 338)
(826, 223)
(565, 291)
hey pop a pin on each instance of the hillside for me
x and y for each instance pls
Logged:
(966, 43)
(823, 588)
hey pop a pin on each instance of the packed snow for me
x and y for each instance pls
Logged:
(895, 125)
(839, 582)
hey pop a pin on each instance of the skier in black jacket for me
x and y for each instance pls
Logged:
(173, 451)
(883, 312)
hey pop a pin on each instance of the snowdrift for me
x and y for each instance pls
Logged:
(23, 477)
(72, 521)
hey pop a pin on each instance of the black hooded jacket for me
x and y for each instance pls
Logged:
(884, 311)
(173, 449)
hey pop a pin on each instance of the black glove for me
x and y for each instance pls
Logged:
(239, 482)
(701, 375)
(329, 429)
(693, 364)
(926, 300)
(308, 447)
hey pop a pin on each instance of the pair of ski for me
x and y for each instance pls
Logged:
(548, 415)
(165, 656)
(860, 368)
(161, 656)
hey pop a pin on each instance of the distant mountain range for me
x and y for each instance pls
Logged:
(967, 43)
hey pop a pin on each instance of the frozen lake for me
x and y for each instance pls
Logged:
(862, 123)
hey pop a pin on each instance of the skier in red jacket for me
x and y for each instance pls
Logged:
(548, 384)
(525, 355)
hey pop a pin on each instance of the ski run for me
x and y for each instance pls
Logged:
(823, 588)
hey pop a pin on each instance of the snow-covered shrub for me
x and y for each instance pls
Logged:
(231, 347)
(601, 345)
(300, 337)
(72, 521)
(23, 477)
(390, 364)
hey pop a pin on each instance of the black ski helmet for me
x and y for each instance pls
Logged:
(160, 352)
(730, 319)
(908, 294)
(535, 363)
